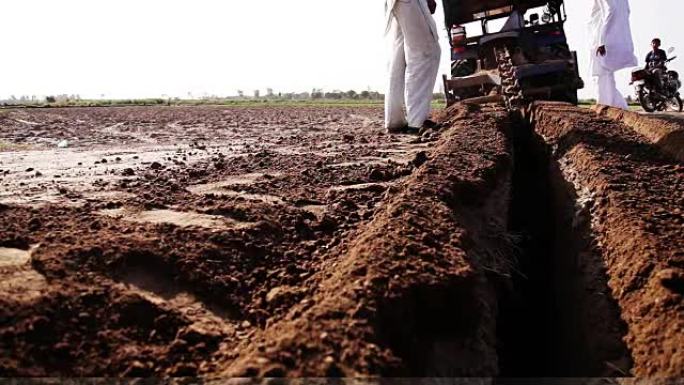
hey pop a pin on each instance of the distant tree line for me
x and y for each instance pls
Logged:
(319, 93)
(316, 94)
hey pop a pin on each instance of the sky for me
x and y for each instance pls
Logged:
(155, 48)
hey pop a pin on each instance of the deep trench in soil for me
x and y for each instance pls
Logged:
(549, 322)
(540, 330)
(526, 334)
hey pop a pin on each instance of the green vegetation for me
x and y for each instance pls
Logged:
(202, 102)
(590, 102)
(315, 98)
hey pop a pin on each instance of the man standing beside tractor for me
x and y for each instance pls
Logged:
(612, 48)
(415, 54)
(414, 63)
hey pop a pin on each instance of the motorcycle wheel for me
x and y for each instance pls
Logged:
(645, 101)
(675, 104)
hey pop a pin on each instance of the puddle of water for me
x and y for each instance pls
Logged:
(27, 122)
(243, 179)
(326, 154)
(76, 168)
(107, 195)
(358, 187)
(14, 257)
(392, 151)
(272, 199)
(365, 161)
(220, 187)
(291, 151)
(178, 218)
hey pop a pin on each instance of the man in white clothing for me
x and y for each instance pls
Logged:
(414, 63)
(612, 48)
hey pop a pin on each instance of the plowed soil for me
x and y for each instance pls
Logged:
(627, 217)
(174, 241)
(306, 242)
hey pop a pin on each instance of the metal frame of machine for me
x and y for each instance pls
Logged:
(524, 64)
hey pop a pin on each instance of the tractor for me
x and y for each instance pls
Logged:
(514, 51)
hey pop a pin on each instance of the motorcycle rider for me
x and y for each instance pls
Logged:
(655, 62)
(656, 57)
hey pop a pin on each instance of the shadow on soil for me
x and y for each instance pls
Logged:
(560, 319)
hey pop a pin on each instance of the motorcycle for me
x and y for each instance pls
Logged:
(657, 89)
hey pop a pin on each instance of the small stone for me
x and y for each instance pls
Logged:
(420, 159)
(246, 324)
(128, 172)
(273, 294)
(672, 279)
(376, 175)
(34, 224)
(155, 166)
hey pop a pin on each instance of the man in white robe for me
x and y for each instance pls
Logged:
(414, 62)
(612, 48)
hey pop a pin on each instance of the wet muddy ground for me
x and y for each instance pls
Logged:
(184, 241)
(153, 223)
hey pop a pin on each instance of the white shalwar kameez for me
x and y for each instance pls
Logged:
(414, 62)
(609, 27)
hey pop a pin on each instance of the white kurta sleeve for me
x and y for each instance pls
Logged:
(608, 22)
(610, 28)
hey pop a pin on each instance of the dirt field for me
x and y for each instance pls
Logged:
(184, 241)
